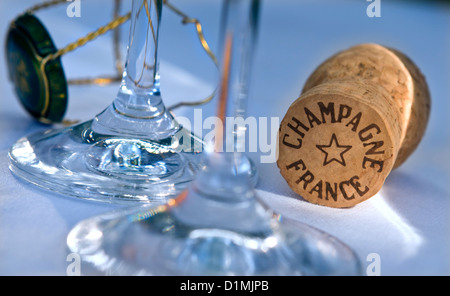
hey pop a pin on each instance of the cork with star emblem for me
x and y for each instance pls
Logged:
(360, 115)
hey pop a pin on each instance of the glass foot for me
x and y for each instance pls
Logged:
(150, 241)
(78, 162)
(211, 229)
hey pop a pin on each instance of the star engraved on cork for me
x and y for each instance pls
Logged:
(334, 151)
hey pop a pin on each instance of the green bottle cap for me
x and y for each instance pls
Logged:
(42, 89)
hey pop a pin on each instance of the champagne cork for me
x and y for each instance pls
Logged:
(360, 115)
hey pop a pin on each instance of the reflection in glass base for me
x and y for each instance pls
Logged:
(78, 162)
(200, 233)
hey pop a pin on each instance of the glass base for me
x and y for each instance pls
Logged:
(196, 235)
(78, 162)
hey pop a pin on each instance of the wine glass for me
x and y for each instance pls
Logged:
(218, 226)
(134, 150)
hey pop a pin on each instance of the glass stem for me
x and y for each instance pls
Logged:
(227, 175)
(138, 109)
(239, 30)
(140, 80)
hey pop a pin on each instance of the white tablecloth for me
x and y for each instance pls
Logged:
(406, 223)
